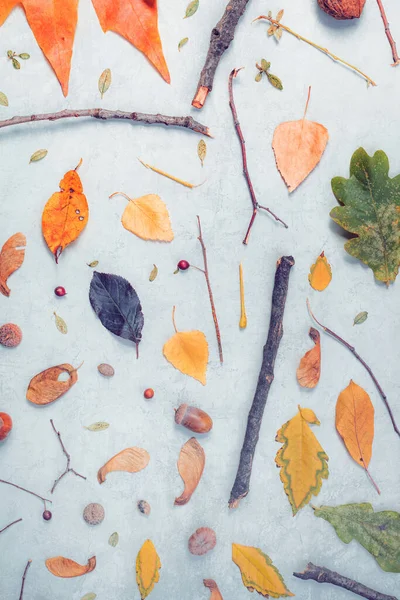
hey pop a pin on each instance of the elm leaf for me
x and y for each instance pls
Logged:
(3, 99)
(191, 8)
(360, 318)
(38, 155)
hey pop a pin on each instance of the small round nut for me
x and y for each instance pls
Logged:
(10, 335)
(94, 513)
(144, 507)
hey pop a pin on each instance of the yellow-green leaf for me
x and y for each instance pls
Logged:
(3, 99)
(89, 596)
(98, 426)
(182, 43)
(38, 155)
(360, 318)
(191, 8)
(104, 81)
(60, 324)
(202, 151)
(113, 539)
(258, 572)
(154, 273)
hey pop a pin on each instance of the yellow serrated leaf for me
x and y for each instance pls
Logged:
(302, 460)
(147, 217)
(320, 273)
(258, 572)
(147, 568)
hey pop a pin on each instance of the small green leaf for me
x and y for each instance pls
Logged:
(10, 53)
(98, 426)
(38, 155)
(24, 56)
(60, 324)
(3, 99)
(104, 81)
(258, 77)
(114, 539)
(202, 151)
(93, 264)
(191, 8)
(182, 43)
(89, 596)
(360, 318)
(275, 81)
(153, 274)
(265, 65)
(16, 63)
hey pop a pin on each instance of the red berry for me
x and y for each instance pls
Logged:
(148, 394)
(183, 265)
(47, 515)
(60, 291)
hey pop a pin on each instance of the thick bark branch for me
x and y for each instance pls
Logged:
(242, 482)
(103, 114)
(221, 37)
(324, 575)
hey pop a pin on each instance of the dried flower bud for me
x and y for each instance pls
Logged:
(202, 541)
(342, 9)
(93, 513)
(10, 335)
(193, 418)
(144, 507)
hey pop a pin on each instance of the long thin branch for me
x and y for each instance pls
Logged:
(28, 564)
(10, 525)
(362, 361)
(324, 575)
(68, 457)
(103, 114)
(320, 48)
(242, 482)
(210, 294)
(27, 491)
(239, 132)
(389, 34)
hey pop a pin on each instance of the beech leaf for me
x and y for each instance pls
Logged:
(258, 572)
(302, 460)
(360, 318)
(377, 532)
(117, 305)
(191, 463)
(3, 99)
(370, 206)
(309, 370)
(38, 155)
(66, 568)
(104, 81)
(130, 460)
(320, 273)
(11, 258)
(148, 565)
(45, 387)
(147, 217)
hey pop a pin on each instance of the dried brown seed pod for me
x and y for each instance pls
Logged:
(342, 9)
(144, 507)
(93, 513)
(193, 418)
(106, 370)
(10, 335)
(202, 541)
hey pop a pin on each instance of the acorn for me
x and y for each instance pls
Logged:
(342, 9)
(193, 418)
(5, 425)
(10, 335)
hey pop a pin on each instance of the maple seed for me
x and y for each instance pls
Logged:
(148, 393)
(60, 291)
(183, 265)
(47, 515)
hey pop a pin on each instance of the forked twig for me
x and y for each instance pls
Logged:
(27, 491)
(68, 457)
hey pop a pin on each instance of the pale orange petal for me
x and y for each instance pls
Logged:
(130, 460)
(65, 567)
(190, 466)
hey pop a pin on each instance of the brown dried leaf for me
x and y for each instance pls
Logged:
(65, 567)
(190, 466)
(212, 586)
(271, 30)
(11, 258)
(309, 370)
(45, 387)
(130, 460)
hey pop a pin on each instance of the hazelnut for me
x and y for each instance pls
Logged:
(342, 9)
(5, 425)
(94, 513)
(10, 335)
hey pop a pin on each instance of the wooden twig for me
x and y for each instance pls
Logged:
(254, 201)
(27, 491)
(362, 361)
(68, 457)
(324, 575)
(104, 115)
(389, 34)
(320, 48)
(28, 564)
(242, 482)
(172, 177)
(10, 524)
(221, 37)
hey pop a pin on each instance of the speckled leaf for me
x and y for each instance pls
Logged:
(3, 99)
(38, 155)
(60, 324)
(93, 264)
(265, 65)
(104, 81)
(98, 426)
(192, 8)
(258, 77)
(16, 64)
(202, 151)
(370, 210)
(89, 596)
(154, 273)
(24, 56)
(182, 43)
(377, 532)
(113, 539)
(275, 81)
(360, 318)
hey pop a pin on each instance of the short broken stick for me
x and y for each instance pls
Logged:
(242, 482)
(324, 575)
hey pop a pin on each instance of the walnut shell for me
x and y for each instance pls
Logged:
(10, 335)
(342, 9)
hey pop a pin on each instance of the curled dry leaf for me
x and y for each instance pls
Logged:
(147, 217)
(309, 370)
(191, 463)
(320, 273)
(202, 541)
(148, 565)
(66, 214)
(258, 572)
(214, 589)
(154, 273)
(45, 387)
(130, 460)
(11, 258)
(65, 567)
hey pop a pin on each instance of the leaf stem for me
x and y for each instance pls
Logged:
(362, 361)
(10, 525)
(173, 319)
(320, 48)
(120, 194)
(27, 491)
(172, 177)
(28, 564)
(389, 34)
(68, 457)
(243, 317)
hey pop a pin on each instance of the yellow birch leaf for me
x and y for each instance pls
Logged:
(147, 568)
(147, 217)
(320, 273)
(258, 572)
(302, 460)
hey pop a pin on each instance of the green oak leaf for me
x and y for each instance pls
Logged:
(377, 532)
(370, 209)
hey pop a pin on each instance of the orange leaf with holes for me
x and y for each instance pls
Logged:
(147, 217)
(309, 370)
(320, 273)
(11, 258)
(66, 568)
(66, 214)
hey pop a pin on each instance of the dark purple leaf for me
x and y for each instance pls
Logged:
(117, 305)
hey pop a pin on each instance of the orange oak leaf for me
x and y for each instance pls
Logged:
(53, 23)
(191, 463)
(11, 258)
(65, 567)
(46, 387)
(66, 214)
(214, 589)
(147, 217)
(355, 424)
(136, 21)
(309, 370)
(320, 274)
(130, 460)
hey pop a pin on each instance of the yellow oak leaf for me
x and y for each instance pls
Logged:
(258, 572)
(302, 459)
(147, 217)
(147, 568)
(187, 351)
(320, 273)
